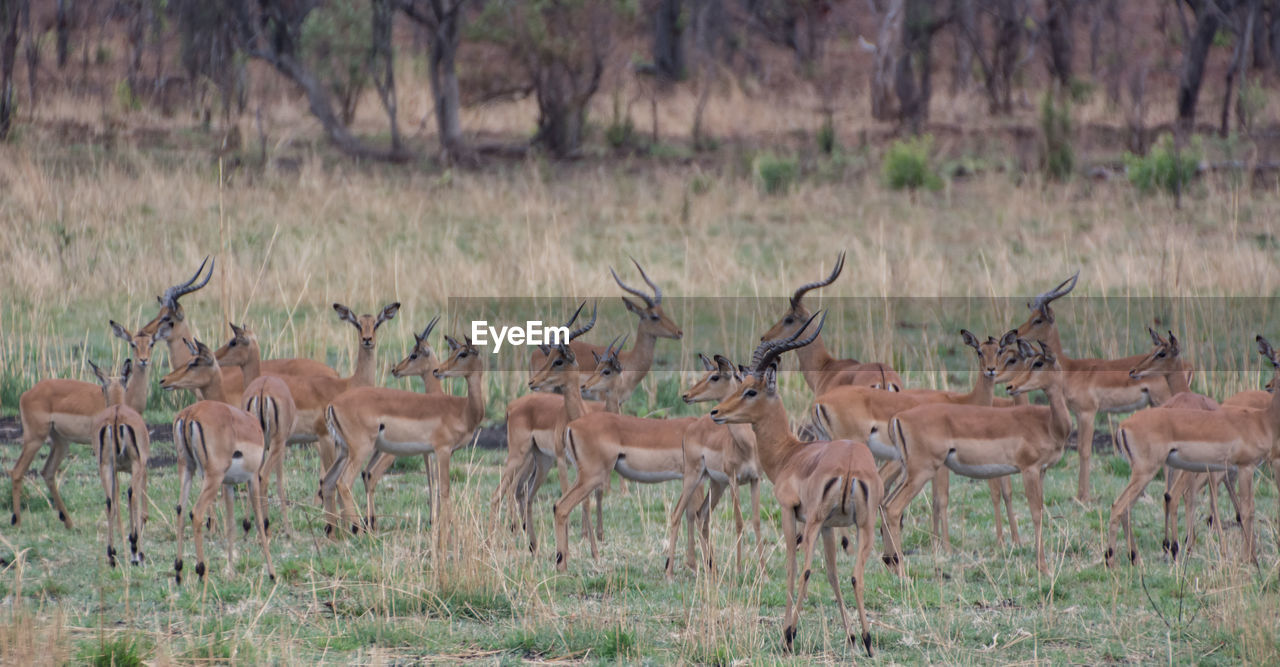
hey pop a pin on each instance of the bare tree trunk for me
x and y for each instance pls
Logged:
(65, 10)
(32, 53)
(1239, 66)
(1058, 26)
(442, 20)
(382, 55)
(668, 40)
(1193, 60)
(889, 50)
(966, 16)
(10, 12)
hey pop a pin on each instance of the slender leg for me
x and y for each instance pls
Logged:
(891, 526)
(1006, 493)
(571, 498)
(941, 498)
(542, 468)
(715, 493)
(994, 486)
(833, 578)
(1084, 426)
(50, 473)
(1245, 480)
(228, 520)
(811, 528)
(373, 472)
(208, 493)
(755, 520)
(137, 500)
(866, 541)
(184, 472)
(1035, 498)
(690, 485)
(106, 471)
(1171, 511)
(259, 504)
(33, 437)
(1139, 477)
(738, 523)
(444, 522)
(789, 539)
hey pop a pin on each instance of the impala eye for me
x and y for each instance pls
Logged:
(559, 362)
(1160, 355)
(749, 393)
(1037, 321)
(789, 320)
(413, 356)
(231, 344)
(714, 378)
(1038, 364)
(655, 318)
(605, 372)
(462, 356)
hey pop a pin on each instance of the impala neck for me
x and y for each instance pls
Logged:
(775, 443)
(135, 395)
(814, 359)
(253, 366)
(983, 392)
(475, 399)
(638, 360)
(179, 355)
(431, 383)
(611, 403)
(214, 391)
(1060, 416)
(574, 406)
(1054, 342)
(363, 374)
(1177, 380)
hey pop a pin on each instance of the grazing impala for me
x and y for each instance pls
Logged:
(1093, 386)
(226, 445)
(823, 485)
(863, 413)
(1223, 440)
(62, 412)
(121, 443)
(822, 371)
(982, 442)
(653, 324)
(403, 423)
(724, 456)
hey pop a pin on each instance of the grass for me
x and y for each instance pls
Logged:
(96, 235)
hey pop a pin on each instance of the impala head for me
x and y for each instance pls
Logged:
(720, 378)
(649, 309)
(367, 325)
(608, 369)
(792, 322)
(113, 386)
(169, 306)
(1009, 361)
(464, 359)
(422, 359)
(1162, 359)
(988, 352)
(236, 352)
(1041, 372)
(1040, 322)
(1264, 348)
(758, 392)
(142, 342)
(561, 362)
(200, 372)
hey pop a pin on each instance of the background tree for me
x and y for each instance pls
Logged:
(902, 82)
(11, 12)
(442, 20)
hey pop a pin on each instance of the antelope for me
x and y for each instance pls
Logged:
(226, 445)
(62, 411)
(1224, 440)
(1165, 360)
(171, 311)
(863, 413)
(726, 456)
(983, 442)
(403, 423)
(1093, 386)
(311, 393)
(535, 427)
(825, 485)
(653, 324)
(121, 442)
(822, 371)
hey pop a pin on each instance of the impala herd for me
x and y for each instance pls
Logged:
(883, 441)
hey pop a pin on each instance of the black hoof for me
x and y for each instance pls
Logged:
(200, 569)
(853, 581)
(1133, 557)
(806, 575)
(1173, 550)
(178, 509)
(13, 519)
(272, 577)
(328, 530)
(111, 556)
(1107, 557)
(1165, 545)
(788, 636)
(245, 524)
(62, 516)
(844, 543)
(559, 558)
(667, 566)
(866, 641)
(800, 539)
(532, 549)
(355, 529)
(266, 524)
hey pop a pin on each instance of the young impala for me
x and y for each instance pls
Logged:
(822, 485)
(121, 444)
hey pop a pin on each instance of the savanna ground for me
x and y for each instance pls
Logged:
(93, 230)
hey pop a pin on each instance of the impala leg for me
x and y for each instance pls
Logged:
(891, 526)
(1245, 480)
(940, 500)
(866, 541)
(137, 504)
(1035, 498)
(811, 528)
(107, 472)
(50, 473)
(326, 449)
(350, 512)
(739, 524)
(1181, 489)
(600, 511)
(1229, 483)
(445, 512)
(228, 521)
(33, 437)
(1084, 426)
(1215, 518)
(755, 521)
(1006, 493)
(275, 463)
(1139, 476)
(541, 468)
(703, 518)
(513, 470)
(1171, 511)
(789, 539)
(572, 497)
(259, 502)
(208, 494)
(890, 471)
(430, 483)
(328, 496)
(994, 487)
(373, 472)
(184, 472)
(833, 578)
(689, 486)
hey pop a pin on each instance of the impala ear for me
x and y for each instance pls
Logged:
(163, 331)
(1155, 337)
(236, 331)
(195, 351)
(633, 306)
(1264, 348)
(771, 378)
(1045, 351)
(724, 365)
(102, 379)
(1173, 343)
(387, 314)
(707, 364)
(126, 370)
(970, 339)
(1025, 349)
(345, 314)
(1009, 338)
(453, 344)
(121, 332)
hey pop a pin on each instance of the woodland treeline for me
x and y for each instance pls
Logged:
(198, 55)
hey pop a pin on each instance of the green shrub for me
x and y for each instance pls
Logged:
(908, 165)
(827, 138)
(1163, 168)
(119, 652)
(1057, 157)
(335, 40)
(774, 175)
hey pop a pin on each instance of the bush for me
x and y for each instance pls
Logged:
(774, 175)
(908, 165)
(119, 652)
(1163, 168)
(827, 138)
(1057, 157)
(335, 40)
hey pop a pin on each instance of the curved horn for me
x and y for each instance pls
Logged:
(1056, 293)
(835, 273)
(648, 300)
(657, 291)
(614, 351)
(586, 327)
(777, 349)
(427, 332)
(176, 292)
(574, 317)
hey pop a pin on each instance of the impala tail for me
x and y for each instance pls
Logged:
(821, 422)
(898, 438)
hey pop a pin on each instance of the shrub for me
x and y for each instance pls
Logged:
(827, 138)
(774, 175)
(1163, 168)
(908, 165)
(119, 652)
(1057, 157)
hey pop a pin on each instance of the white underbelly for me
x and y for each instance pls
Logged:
(238, 472)
(645, 476)
(401, 448)
(717, 476)
(1137, 404)
(881, 448)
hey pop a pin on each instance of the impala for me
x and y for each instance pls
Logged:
(403, 423)
(1223, 440)
(62, 411)
(653, 324)
(1093, 386)
(311, 393)
(121, 443)
(723, 455)
(1165, 360)
(225, 444)
(983, 442)
(822, 371)
(171, 311)
(825, 485)
(863, 413)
